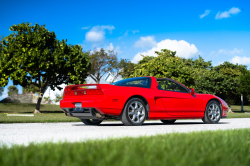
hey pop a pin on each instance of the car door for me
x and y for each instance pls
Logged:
(177, 100)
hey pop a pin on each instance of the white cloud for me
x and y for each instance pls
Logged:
(135, 31)
(182, 48)
(205, 14)
(227, 14)
(97, 33)
(86, 27)
(110, 47)
(124, 35)
(235, 51)
(116, 49)
(146, 42)
(240, 60)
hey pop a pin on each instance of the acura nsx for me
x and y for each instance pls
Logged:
(136, 99)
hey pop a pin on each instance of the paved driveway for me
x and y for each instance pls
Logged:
(24, 133)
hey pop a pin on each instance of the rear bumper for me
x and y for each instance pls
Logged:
(100, 104)
(84, 113)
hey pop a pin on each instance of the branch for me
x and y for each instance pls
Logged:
(93, 77)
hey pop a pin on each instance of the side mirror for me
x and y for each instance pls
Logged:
(191, 90)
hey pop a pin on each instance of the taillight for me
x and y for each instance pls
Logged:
(81, 90)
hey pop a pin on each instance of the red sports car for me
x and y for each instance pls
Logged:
(134, 100)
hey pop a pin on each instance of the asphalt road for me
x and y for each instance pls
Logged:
(25, 133)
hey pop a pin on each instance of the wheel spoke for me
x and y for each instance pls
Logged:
(133, 117)
(136, 105)
(210, 113)
(133, 108)
(131, 113)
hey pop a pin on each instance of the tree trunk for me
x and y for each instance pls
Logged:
(37, 110)
(229, 104)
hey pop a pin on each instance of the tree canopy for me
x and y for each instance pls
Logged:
(225, 80)
(31, 88)
(166, 64)
(33, 54)
(12, 90)
(102, 61)
(1, 91)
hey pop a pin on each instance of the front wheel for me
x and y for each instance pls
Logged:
(91, 121)
(134, 113)
(212, 113)
(168, 121)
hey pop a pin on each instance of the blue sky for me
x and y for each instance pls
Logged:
(216, 30)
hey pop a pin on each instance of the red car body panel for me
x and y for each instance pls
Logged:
(162, 104)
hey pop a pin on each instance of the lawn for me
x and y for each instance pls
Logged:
(230, 148)
(49, 113)
(53, 113)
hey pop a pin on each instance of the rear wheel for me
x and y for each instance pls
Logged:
(91, 121)
(134, 113)
(168, 121)
(212, 113)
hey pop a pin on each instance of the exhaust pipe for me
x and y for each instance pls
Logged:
(98, 115)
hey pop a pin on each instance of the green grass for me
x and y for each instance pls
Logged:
(53, 113)
(38, 118)
(237, 112)
(50, 113)
(229, 148)
(237, 108)
(28, 108)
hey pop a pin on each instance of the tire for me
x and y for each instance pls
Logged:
(91, 121)
(168, 121)
(212, 113)
(134, 113)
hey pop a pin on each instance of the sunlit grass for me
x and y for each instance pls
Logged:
(228, 148)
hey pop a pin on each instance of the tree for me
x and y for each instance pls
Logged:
(32, 55)
(124, 68)
(166, 64)
(1, 39)
(231, 82)
(208, 81)
(31, 88)
(12, 90)
(1, 91)
(102, 62)
(58, 98)
(245, 82)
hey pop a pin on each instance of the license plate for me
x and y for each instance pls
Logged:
(78, 106)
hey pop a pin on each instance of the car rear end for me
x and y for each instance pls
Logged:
(84, 101)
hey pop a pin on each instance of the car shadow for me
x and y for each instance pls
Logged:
(152, 124)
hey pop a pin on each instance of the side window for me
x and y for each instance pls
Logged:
(171, 86)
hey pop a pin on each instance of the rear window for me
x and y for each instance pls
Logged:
(143, 82)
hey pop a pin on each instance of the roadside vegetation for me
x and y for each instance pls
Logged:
(230, 147)
(53, 113)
